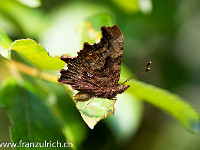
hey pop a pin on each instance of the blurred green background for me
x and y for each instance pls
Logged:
(165, 32)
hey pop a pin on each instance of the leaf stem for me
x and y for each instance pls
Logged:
(33, 71)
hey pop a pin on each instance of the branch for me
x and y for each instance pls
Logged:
(32, 71)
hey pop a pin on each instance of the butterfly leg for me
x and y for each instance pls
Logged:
(113, 103)
(87, 104)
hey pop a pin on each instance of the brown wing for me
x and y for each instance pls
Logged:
(97, 66)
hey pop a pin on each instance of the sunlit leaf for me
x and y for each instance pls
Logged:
(35, 53)
(5, 43)
(171, 103)
(96, 110)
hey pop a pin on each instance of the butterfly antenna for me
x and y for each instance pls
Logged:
(139, 72)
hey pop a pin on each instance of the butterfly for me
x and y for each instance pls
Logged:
(95, 72)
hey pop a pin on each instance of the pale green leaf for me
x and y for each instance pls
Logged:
(5, 43)
(36, 54)
(96, 110)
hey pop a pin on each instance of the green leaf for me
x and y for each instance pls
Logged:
(36, 54)
(171, 103)
(5, 43)
(31, 119)
(95, 111)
